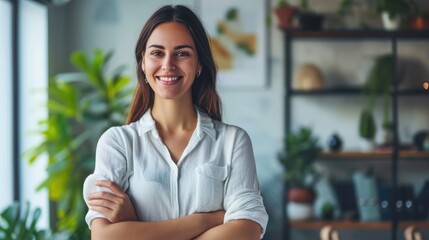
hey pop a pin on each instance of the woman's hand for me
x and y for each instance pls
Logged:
(115, 205)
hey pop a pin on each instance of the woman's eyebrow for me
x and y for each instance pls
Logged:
(183, 46)
(175, 48)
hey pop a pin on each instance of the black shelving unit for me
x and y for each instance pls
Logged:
(394, 156)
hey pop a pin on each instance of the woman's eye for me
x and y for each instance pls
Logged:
(156, 53)
(182, 54)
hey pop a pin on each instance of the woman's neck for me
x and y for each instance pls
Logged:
(173, 116)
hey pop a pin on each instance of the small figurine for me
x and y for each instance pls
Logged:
(335, 143)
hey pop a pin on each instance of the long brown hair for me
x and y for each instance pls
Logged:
(204, 93)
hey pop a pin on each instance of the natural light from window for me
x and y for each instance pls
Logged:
(6, 104)
(33, 65)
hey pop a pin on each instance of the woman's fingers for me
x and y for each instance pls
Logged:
(115, 194)
(102, 203)
(113, 202)
(110, 185)
(101, 194)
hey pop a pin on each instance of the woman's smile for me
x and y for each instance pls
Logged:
(169, 80)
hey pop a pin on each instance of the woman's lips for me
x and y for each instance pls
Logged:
(168, 80)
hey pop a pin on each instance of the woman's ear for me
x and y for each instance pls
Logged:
(142, 61)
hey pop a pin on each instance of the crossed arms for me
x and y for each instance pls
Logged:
(122, 222)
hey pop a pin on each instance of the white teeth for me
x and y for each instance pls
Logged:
(168, 79)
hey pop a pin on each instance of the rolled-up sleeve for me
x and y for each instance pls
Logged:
(110, 164)
(242, 195)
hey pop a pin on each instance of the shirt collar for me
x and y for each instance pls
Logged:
(146, 123)
(204, 124)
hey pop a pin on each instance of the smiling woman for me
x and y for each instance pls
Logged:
(175, 171)
(170, 62)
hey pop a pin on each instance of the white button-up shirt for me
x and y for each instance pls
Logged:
(216, 171)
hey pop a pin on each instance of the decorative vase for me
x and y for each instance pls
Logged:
(420, 139)
(335, 143)
(389, 23)
(308, 77)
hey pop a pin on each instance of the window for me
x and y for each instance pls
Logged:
(6, 145)
(33, 83)
(23, 94)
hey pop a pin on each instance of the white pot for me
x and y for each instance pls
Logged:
(389, 23)
(366, 145)
(299, 211)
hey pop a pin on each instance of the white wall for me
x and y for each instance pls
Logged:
(260, 111)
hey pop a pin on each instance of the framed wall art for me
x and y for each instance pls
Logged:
(239, 40)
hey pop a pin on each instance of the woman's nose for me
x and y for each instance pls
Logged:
(169, 63)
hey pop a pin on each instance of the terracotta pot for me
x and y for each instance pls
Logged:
(285, 16)
(301, 195)
(419, 23)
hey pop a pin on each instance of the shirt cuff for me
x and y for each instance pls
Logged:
(91, 215)
(248, 206)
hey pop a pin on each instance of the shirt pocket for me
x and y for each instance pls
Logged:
(210, 187)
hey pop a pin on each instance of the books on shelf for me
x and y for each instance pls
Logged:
(366, 197)
(345, 193)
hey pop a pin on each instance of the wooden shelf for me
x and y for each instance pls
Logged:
(340, 225)
(417, 224)
(403, 155)
(356, 225)
(413, 92)
(353, 91)
(358, 34)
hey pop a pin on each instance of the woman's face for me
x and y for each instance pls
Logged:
(170, 61)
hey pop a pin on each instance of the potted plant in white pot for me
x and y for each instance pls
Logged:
(300, 151)
(379, 81)
(392, 12)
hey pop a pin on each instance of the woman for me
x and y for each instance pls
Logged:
(175, 171)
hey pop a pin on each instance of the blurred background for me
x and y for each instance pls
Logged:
(334, 99)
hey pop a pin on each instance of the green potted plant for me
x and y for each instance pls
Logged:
(309, 20)
(81, 107)
(346, 16)
(17, 223)
(327, 211)
(344, 6)
(285, 14)
(379, 81)
(297, 156)
(392, 12)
